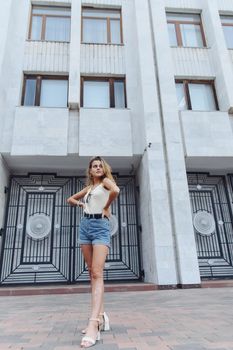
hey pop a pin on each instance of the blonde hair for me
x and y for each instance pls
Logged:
(106, 168)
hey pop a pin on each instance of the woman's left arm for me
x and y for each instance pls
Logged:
(114, 192)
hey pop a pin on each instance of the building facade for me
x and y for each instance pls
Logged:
(149, 86)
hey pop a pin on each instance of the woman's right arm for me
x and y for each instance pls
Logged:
(74, 200)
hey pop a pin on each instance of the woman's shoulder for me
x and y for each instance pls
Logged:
(86, 189)
(107, 183)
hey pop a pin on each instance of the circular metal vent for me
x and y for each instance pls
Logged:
(204, 223)
(38, 226)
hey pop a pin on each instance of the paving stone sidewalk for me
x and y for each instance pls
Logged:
(192, 319)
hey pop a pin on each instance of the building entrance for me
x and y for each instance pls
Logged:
(41, 232)
(213, 224)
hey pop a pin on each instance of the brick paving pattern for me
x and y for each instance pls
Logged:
(191, 319)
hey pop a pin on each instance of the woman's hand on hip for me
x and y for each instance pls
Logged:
(106, 212)
(80, 204)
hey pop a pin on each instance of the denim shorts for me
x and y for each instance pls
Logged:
(94, 231)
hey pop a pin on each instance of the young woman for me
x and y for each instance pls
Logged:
(94, 237)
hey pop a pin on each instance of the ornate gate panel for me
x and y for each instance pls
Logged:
(41, 233)
(123, 262)
(37, 238)
(212, 221)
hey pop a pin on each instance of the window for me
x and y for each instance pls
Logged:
(101, 26)
(185, 30)
(50, 23)
(227, 24)
(103, 93)
(45, 91)
(196, 95)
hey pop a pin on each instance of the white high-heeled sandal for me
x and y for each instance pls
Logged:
(91, 340)
(105, 326)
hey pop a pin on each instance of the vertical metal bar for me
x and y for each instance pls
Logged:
(119, 220)
(231, 216)
(52, 227)
(24, 229)
(5, 228)
(73, 227)
(221, 250)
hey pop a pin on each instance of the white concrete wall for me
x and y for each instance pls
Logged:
(73, 132)
(225, 5)
(105, 132)
(73, 59)
(40, 131)
(120, 60)
(46, 57)
(149, 264)
(220, 55)
(207, 134)
(104, 2)
(213, 62)
(183, 4)
(88, 59)
(4, 20)
(102, 59)
(12, 69)
(133, 76)
(75, 47)
(192, 62)
(231, 55)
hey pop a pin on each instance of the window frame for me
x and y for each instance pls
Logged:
(111, 81)
(43, 25)
(226, 25)
(108, 19)
(178, 30)
(186, 82)
(39, 78)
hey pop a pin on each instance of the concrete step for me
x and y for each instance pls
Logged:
(109, 287)
(217, 283)
(72, 289)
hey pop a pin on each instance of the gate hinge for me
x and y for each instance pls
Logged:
(1, 231)
(6, 189)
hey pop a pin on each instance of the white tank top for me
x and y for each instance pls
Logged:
(96, 199)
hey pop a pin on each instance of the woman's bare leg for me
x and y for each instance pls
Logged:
(97, 284)
(100, 253)
(87, 251)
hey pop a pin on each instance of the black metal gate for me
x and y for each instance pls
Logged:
(40, 235)
(213, 224)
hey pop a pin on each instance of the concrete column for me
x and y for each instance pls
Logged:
(157, 240)
(4, 18)
(4, 178)
(12, 68)
(133, 83)
(75, 47)
(4, 13)
(180, 210)
(220, 55)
